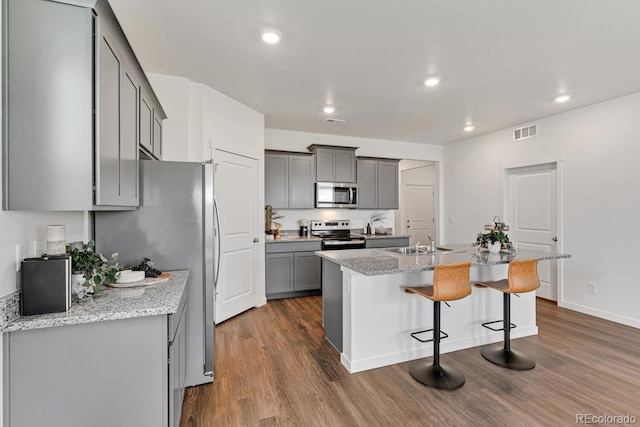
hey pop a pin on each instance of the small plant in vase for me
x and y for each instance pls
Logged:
(91, 270)
(494, 240)
(375, 217)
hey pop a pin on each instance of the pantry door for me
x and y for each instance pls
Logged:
(236, 194)
(533, 218)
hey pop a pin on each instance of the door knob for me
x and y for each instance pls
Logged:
(256, 240)
(555, 239)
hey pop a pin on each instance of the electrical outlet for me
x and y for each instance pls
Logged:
(592, 288)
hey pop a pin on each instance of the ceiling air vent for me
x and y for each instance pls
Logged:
(332, 120)
(525, 132)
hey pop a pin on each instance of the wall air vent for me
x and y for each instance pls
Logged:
(332, 120)
(525, 132)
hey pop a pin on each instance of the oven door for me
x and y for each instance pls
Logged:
(336, 245)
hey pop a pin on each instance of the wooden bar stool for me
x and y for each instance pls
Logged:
(522, 277)
(450, 282)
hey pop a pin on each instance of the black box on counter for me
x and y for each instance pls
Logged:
(46, 285)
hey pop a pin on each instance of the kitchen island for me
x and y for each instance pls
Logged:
(368, 317)
(112, 360)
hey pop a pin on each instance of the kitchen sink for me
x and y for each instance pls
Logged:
(420, 250)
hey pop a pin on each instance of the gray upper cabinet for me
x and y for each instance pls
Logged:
(387, 184)
(377, 184)
(157, 137)
(57, 155)
(301, 174)
(289, 180)
(334, 164)
(146, 124)
(367, 184)
(276, 180)
(47, 128)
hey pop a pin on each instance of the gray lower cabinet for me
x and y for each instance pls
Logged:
(289, 180)
(115, 373)
(377, 184)
(292, 269)
(52, 100)
(334, 164)
(387, 242)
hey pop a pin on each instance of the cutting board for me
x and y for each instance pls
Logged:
(162, 277)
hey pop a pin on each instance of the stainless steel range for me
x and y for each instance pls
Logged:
(336, 235)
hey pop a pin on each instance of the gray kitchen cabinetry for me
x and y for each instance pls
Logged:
(289, 180)
(386, 242)
(126, 372)
(146, 124)
(377, 183)
(56, 155)
(334, 164)
(292, 269)
(157, 136)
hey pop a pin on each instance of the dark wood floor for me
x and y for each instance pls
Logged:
(273, 367)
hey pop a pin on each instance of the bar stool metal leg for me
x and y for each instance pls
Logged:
(502, 354)
(434, 374)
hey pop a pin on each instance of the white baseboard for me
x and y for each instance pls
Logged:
(601, 314)
(446, 346)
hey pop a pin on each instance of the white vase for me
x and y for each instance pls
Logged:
(494, 248)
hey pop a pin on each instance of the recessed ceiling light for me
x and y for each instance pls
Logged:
(469, 128)
(271, 37)
(329, 109)
(432, 81)
(562, 98)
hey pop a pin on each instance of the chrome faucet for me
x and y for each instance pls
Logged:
(417, 247)
(433, 243)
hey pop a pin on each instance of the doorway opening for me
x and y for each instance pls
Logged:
(533, 209)
(418, 202)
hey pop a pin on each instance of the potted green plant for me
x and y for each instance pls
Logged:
(91, 270)
(494, 240)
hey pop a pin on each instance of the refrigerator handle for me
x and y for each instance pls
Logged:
(215, 208)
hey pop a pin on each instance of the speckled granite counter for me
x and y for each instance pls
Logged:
(113, 304)
(375, 262)
(294, 238)
(380, 236)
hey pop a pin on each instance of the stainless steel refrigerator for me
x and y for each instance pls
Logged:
(174, 227)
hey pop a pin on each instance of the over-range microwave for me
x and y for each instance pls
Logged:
(336, 195)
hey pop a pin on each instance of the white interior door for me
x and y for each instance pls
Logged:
(532, 208)
(419, 213)
(236, 190)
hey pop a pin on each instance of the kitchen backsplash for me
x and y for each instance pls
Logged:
(359, 218)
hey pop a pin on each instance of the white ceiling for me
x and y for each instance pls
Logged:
(502, 62)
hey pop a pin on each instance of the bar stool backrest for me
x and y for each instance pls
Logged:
(451, 281)
(523, 276)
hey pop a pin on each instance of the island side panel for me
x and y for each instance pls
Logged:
(379, 316)
(332, 303)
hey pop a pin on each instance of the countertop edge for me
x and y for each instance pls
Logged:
(42, 321)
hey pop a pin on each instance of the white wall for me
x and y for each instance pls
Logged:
(601, 176)
(173, 94)
(276, 139)
(202, 120)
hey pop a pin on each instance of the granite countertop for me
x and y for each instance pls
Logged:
(380, 236)
(294, 238)
(113, 304)
(376, 262)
